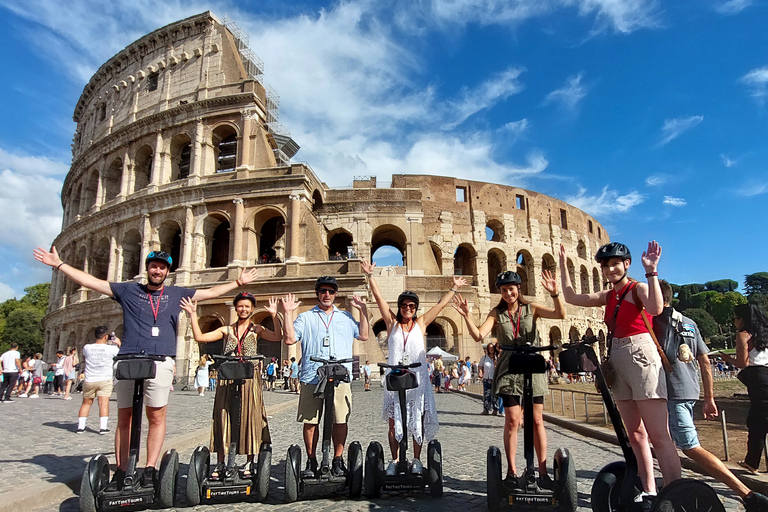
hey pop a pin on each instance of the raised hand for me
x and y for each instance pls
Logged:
(459, 281)
(290, 303)
(651, 256)
(367, 266)
(549, 282)
(189, 305)
(358, 303)
(460, 305)
(561, 256)
(271, 307)
(48, 258)
(248, 276)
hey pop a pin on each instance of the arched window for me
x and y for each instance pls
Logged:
(170, 241)
(317, 201)
(525, 270)
(571, 272)
(339, 241)
(494, 230)
(225, 148)
(464, 261)
(548, 263)
(388, 246)
(435, 336)
(596, 286)
(555, 336)
(74, 205)
(497, 263)
(112, 178)
(142, 168)
(216, 231)
(573, 334)
(131, 247)
(438, 254)
(99, 264)
(584, 278)
(581, 249)
(209, 323)
(269, 349)
(91, 190)
(181, 153)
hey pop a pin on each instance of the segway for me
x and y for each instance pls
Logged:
(400, 379)
(530, 487)
(331, 373)
(231, 485)
(97, 493)
(617, 484)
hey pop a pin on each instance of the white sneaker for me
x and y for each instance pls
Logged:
(392, 468)
(34, 396)
(23, 395)
(416, 467)
(201, 394)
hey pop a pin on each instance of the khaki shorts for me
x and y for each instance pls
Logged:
(99, 388)
(156, 390)
(639, 373)
(311, 407)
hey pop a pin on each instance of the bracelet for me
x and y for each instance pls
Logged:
(555, 295)
(237, 282)
(59, 266)
(652, 274)
(369, 275)
(452, 290)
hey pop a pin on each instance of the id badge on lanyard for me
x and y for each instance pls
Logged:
(155, 331)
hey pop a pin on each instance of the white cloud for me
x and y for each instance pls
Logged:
(32, 207)
(608, 202)
(727, 161)
(496, 89)
(569, 95)
(752, 188)
(6, 292)
(656, 180)
(673, 128)
(515, 128)
(757, 81)
(732, 6)
(31, 165)
(674, 201)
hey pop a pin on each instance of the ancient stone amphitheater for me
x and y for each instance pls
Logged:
(178, 148)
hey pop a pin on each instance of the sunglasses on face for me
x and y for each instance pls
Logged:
(412, 307)
(323, 291)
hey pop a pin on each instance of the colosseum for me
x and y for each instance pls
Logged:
(178, 148)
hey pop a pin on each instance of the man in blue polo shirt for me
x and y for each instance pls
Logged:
(324, 331)
(150, 318)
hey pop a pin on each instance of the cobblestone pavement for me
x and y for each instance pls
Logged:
(464, 435)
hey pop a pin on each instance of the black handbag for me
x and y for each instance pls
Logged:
(135, 369)
(236, 370)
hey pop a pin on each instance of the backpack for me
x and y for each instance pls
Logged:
(668, 328)
(271, 369)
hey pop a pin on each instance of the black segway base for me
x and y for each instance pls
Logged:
(405, 482)
(227, 488)
(127, 497)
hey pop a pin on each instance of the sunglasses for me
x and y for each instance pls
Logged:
(412, 307)
(329, 291)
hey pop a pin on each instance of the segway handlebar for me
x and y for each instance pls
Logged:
(587, 340)
(331, 360)
(528, 348)
(237, 358)
(399, 366)
(126, 357)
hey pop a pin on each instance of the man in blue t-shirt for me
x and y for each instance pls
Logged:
(324, 331)
(150, 318)
(294, 375)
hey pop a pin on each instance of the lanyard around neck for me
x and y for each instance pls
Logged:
(516, 325)
(406, 334)
(327, 325)
(241, 338)
(155, 310)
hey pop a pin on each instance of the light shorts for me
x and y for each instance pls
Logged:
(311, 407)
(681, 425)
(156, 390)
(639, 373)
(98, 388)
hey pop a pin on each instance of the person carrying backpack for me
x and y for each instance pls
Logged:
(271, 374)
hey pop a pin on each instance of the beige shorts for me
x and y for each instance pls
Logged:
(156, 390)
(99, 388)
(639, 372)
(311, 407)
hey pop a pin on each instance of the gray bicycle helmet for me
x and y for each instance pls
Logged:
(613, 250)
(408, 295)
(327, 281)
(508, 277)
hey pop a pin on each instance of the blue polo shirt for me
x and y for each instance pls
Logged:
(312, 327)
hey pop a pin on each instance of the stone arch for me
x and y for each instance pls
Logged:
(555, 335)
(90, 192)
(169, 234)
(131, 249)
(209, 323)
(589, 332)
(79, 263)
(494, 230)
(465, 260)
(584, 279)
(181, 156)
(225, 146)
(389, 235)
(112, 178)
(581, 249)
(338, 241)
(573, 334)
(571, 271)
(437, 252)
(548, 263)
(74, 204)
(216, 228)
(269, 224)
(524, 269)
(317, 201)
(435, 337)
(497, 263)
(99, 265)
(442, 329)
(142, 167)
(602, 345)
(596, 285)
(268, 349)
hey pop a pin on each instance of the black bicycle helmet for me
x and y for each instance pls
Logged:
(158, 256)
(613, 250)
(507, 277)
(408, 295)
(244, 295)
(327, 281)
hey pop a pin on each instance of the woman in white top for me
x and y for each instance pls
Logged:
(201, 376)
(486, 366)
(405, 337)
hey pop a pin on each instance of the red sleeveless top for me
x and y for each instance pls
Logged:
(628, 321)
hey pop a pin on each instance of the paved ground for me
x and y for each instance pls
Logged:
(39, 445)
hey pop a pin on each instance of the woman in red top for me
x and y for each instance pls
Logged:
(640, 388)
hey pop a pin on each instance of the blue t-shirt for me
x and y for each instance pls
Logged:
(683, 380)
(138, 319)
(294, 370)
(312, 327)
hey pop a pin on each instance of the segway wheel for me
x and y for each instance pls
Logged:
(169, 469)
(493, 479)
(687, 495)
(435, 468)
(355, 457)
(95, 479)
(565, 481)
(606, 490)
(196, 472)
(374, 469)
(264, 468)
(292, 469)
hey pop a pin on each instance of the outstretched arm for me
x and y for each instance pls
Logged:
(277, 334)
(461, 305)
(246, 276)
(549, 283)
(429, 317)
(290, 305)
(190, 307)
(82, 278)
(360, 305)
(386, 313)
(571, 297)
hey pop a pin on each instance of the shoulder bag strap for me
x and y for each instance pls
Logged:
(664, 361)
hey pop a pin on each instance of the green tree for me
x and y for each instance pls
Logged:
(721, 307)
(37, 295)
(756, 283)
(23, 326)
(702, 300)
(722, 285)
(707, 324)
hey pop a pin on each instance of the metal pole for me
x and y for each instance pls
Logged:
(605, 414)
(725, 434)
(552, 399)
(586, 407)
(562, 403)
(573, 403)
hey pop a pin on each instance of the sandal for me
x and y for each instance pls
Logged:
(749, 468)
(248, 470)
(218, 471)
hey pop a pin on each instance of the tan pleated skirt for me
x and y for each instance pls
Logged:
(254, 429)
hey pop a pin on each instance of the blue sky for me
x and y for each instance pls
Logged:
(651, 116)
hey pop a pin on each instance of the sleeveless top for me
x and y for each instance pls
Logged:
(249, 342)
(758, 357)
(421, 409)
(629, 321)
(505, 383)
